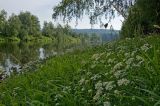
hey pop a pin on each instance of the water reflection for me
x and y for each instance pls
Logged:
(15, 56)
(10, 67)
(41, 53)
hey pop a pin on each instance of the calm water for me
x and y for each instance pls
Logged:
(15, 56)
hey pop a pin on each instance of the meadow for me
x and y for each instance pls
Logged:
(119, 73)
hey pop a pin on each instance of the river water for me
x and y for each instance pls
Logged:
(15, 56)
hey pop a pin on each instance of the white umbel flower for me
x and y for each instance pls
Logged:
(123, 82)
(106, 103)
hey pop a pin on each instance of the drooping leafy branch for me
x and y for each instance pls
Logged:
(95, 9)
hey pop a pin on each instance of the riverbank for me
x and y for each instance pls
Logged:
(27, 39)
(42, 39)
(121, 73)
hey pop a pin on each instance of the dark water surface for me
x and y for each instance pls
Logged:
(15, 56)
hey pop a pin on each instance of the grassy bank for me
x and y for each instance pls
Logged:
(120, 73)
(26, 39)
(65, 40)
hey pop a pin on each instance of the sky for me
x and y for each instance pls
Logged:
(44, 9)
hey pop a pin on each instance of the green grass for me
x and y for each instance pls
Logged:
(120, 73)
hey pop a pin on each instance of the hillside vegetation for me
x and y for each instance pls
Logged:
(119, 73)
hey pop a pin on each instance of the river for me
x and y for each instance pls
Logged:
(14, 57)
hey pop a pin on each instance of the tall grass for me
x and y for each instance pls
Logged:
(120, 73)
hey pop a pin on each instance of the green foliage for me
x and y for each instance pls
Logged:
(30, 24)
(26, 27)
(3, 16)
(62, 34)
(48, 29)
(142, 18)
(14, 26)
(121, 73)
(20, 25)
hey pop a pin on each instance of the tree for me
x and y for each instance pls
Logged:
(48, 29)
(35, 26)
(25, 18)
(95, 9)
(3, 22)
(67, 29)
(14, 25)
(143, 16)
(30, 24)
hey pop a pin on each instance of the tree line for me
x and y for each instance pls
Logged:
(26, 25)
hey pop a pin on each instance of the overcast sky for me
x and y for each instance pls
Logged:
(43, 9)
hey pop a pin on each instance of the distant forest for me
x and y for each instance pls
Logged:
(105, 34)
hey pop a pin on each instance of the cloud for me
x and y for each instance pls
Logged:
(40, 8)
(30, 5)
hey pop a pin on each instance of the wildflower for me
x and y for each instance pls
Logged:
(129, 61)
(127, 55)
(95, 57)
(83, 62)
(86, 81)
(128, 67)
(106, 74)
(17, 88)
(109, 85)
(133, 53)
(119, 73)
(128, 39)
(98, 85)
(116, 92)
(108, 54)
(145, 47)
(83, 89)
(106, 103)
(133, 98)
(57, 104)
(121, 52)
(110, 61)
(140, 63)
(93, 66)
(81, 82)
(89, 73)
(117, 66)
(58, 96)
(123, 82)
(95, 77)
(96, 97)
(102, 61)
(98, 94)
(139, 58)
(89, 91)
(102, 54)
